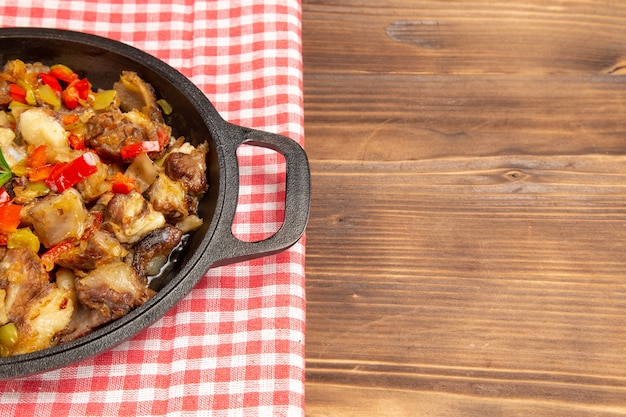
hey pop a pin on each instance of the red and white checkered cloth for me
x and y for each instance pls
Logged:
(235, 345)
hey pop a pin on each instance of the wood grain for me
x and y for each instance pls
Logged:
(401, 117)
(465, 253)
(463, 37)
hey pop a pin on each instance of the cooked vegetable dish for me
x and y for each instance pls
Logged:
(95, 196)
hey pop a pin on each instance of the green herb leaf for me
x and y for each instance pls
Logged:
(5, 170)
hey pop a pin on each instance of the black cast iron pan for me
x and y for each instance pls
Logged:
(102, 60)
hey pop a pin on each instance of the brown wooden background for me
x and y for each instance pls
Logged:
(466, 249)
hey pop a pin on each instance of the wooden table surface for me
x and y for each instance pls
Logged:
(466, 248)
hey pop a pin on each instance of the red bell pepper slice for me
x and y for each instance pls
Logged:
(83, 87)
(63, 73)
(57, 167)
(67, 175)
(95, 224)
(50, 257)
(70, 98)
(75, 92)
(122, 184)
(51, 82)
(17, 93)
(129, 152)
(10, 215)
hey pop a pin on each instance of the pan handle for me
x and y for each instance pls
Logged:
(230, 249)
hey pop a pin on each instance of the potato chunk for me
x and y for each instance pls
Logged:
(38, 127)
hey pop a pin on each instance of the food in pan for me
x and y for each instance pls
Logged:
(96, 195)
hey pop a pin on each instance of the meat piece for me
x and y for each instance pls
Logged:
(152, 252)
(102, 247)
(108, 132)
(101, 204)
(189, 168)
(136, 94)
(5, 95)
(38, 308)
(16, 69)
(22, 277)
(138, 119)
(114, 289)
(169, 198)
(131, 217)
(84, 321)
(57, 217)
(48, 314)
